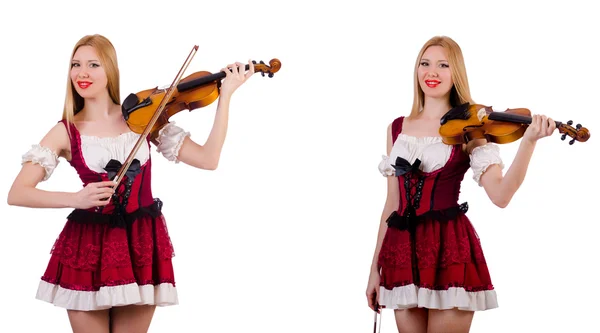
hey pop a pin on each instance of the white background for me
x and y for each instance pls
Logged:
(281, 236)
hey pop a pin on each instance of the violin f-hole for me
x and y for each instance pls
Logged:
(472, 126)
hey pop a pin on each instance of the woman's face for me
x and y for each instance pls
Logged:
(87, 74)
(435, 77)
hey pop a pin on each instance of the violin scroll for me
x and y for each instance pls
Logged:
(273, 67)
(577, 133)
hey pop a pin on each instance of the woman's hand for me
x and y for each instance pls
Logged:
(540, 127)
(236, 75)
(94, 195)
(373, 291)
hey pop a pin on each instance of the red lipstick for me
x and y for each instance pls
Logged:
(432, 83)
(83, 84)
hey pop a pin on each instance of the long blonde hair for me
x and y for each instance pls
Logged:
(460, 92)
(108, 59)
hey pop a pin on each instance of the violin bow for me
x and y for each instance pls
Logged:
(155, 117)
(377, 329)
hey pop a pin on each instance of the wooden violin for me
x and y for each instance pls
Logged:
(195, 91)
(148, 111)
(468, 122)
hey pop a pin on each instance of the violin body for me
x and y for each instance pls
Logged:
(469, 122)
(195, 91)
(138, 117)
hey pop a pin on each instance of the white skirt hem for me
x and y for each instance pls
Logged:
(411, 296)
(164, 294)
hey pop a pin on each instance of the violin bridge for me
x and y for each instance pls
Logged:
(481, 114)
(163, 88)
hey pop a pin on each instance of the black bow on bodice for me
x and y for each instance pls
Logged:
(119, 217)
(402, 166)
(113, 166)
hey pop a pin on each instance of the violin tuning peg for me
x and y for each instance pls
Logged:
(270, 74)
(572, 141)
(570, 122)
(578, 126)
(563, 137)
(262, 73)
(254, 62)
(262, 62)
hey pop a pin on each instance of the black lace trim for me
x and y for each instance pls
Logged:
(117, 219)
(409, 222)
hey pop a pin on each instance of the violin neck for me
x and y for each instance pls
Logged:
(203, 80)
(513, 118)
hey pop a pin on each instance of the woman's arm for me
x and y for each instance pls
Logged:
(500, 189)
(391, 205)
(207, 156)
(23, 191)
(39, 164)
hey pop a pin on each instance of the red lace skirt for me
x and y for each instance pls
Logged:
(440, 266)
(97, 266)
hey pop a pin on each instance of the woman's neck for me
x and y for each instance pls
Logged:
(435, 108)
(99, 109)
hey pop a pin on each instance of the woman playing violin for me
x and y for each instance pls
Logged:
(111, 264)
(428, 264)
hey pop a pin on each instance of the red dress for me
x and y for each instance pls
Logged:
(431, 256)
(118, 255)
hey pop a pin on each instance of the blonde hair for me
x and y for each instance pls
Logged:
(108, 59)
(460, 92)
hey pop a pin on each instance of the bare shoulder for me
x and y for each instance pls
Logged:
(389, 141)
(57, 139)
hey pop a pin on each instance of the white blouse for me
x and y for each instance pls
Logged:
(434, 154)
(97, 151)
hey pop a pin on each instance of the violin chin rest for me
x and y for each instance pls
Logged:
(128, 104)
(132, 103)
(457, 112)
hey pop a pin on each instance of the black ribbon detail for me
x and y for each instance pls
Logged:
(409, 220)
(402, 166)
(113, 166)
(116, 220)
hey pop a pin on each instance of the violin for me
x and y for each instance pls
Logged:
(148, 111)
(195, 91)
(468, 122)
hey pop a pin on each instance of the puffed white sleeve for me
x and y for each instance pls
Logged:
(481, 159)
(43, 156)
(170, 138)
(385, 168)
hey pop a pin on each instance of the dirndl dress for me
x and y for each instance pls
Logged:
(120, 254)
(431, 255)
